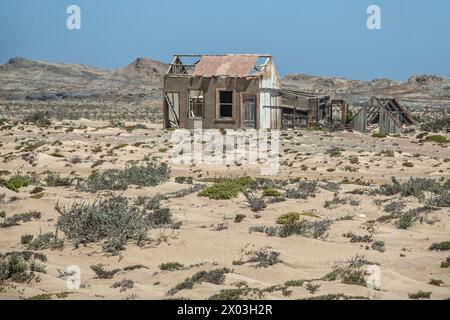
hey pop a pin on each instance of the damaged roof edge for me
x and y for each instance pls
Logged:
(226, 65)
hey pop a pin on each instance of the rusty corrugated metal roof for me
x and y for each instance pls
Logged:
(229, 65)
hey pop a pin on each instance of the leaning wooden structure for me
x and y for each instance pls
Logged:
(383, 115)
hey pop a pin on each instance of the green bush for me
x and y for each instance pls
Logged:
(17, 182)
(102, 273)
(441, 246)
(171, 266)
(222, 191)
(420, 295)
(379, 135)
(436, 282)
(436, 139)
(271, 193)
(288, 218)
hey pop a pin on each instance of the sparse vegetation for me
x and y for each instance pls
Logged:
(379, 246)
(446, 264)
(288, 218)
(112, 220)
(16, 219)
(437, 139)
(420, 295)
(55, 180)
(171, 266)
(349, 272)
(21, 266)
(305, 228)
(216, 276)
(379, 135)
(440, 246)
(102, 273)
(262, 258)
(16, 182)
(48, 240)
(271, 193)
(39, 118)
(124, 285)
(148, 175)
(222, 191)
(436, 282)
(304, 190)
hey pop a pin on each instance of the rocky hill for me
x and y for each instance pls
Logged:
(22, 79)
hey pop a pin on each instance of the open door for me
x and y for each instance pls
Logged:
(249, 105)
(172, 105)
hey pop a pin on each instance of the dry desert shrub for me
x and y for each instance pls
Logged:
(349, 272)
(112, 220)
(304, 190)
(260, 258)
(17, 219)
(21, 266)
(148, 175)
(216, 276)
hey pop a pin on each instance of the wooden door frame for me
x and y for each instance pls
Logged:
(242, 113)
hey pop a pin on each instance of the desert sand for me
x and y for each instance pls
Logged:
(210, 237)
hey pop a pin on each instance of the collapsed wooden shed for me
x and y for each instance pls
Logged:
(383, 115)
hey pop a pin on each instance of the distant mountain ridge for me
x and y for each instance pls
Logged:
(418, 89)
(142, 80)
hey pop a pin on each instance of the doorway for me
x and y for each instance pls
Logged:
(249, 103)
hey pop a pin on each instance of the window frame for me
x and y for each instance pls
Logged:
(189, 104)
(219, 104)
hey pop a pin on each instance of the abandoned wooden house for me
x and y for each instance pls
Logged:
(233, 92)
(383, 115)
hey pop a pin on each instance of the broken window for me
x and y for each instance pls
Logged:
(226, 104)
(195, 104)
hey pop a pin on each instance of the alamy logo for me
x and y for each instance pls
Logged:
(73, 281)
(374, 19)
(374, 279)
(213, 147)
(73, 22)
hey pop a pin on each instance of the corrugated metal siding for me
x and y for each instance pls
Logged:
(231, 66)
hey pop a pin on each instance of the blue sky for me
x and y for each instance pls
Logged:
(321, 37)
